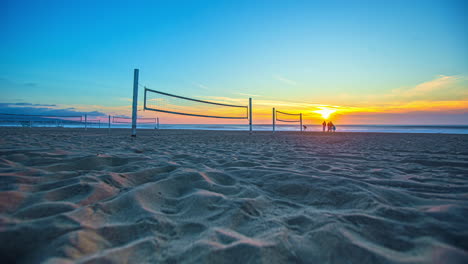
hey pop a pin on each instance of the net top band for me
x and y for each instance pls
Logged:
(187, 114)
(289, 121)
(195, 100)
(126, 120)
(141, 118)
(286, 113)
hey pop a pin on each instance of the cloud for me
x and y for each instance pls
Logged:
(39, 109)
(30, 84)
(285, 80)
(222, 99)
(9, 82)
(29, 104)
(439, 83)
(199, 85)
(125, 99)
(440, 88)
(246, 94)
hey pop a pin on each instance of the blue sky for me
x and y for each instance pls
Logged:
(345, 53)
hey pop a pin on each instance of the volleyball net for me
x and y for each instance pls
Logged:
(93, 122)
(180, 105)
(128, 120)
(26, 120)
(140, 121)
(280, 116)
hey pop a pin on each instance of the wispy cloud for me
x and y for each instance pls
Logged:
(449, 85)
(285, 80)
(40, 109)
(223, 99)
(246, 94)
(9, 82)
(29, 104)
(30, 84)
(440, 88)
(199, 85)
(125, 99)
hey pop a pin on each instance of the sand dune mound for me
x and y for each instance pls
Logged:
(70, 196)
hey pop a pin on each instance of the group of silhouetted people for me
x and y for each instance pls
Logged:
(330, 127)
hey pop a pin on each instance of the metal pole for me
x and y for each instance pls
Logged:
(109, 123)
(301, 121)
(135, 101)
(85, 121)
(144, 100)
(274, 119)
(250, 115)
(157, 120)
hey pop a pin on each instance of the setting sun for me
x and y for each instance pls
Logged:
(325, 112)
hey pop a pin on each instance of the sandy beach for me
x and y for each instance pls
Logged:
(187, 196)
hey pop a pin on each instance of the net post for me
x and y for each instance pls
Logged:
(135, 101)
(301, 120)
(250, 115)
(86, 122)
(157, 122)
(144, 100)
(274, 119)
(109, 123)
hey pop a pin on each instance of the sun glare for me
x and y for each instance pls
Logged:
(325, 112)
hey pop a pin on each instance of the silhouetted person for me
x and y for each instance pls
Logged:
(334, 128)
(329, 125)
(324, 125)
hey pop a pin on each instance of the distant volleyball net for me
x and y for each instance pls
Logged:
(181, 105)
(26, 120)
(287, 117)
(128, 120)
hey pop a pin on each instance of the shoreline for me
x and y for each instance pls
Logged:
(147, 130)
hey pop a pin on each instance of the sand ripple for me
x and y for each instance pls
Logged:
(69, 196)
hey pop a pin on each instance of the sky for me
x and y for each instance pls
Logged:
(365, 62)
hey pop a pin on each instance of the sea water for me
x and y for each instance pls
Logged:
(445, 129)
(438, 129)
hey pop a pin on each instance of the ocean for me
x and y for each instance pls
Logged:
(435, 129)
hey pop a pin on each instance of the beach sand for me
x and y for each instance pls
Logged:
(182, 196)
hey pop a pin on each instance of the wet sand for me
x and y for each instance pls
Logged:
(187, 196)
